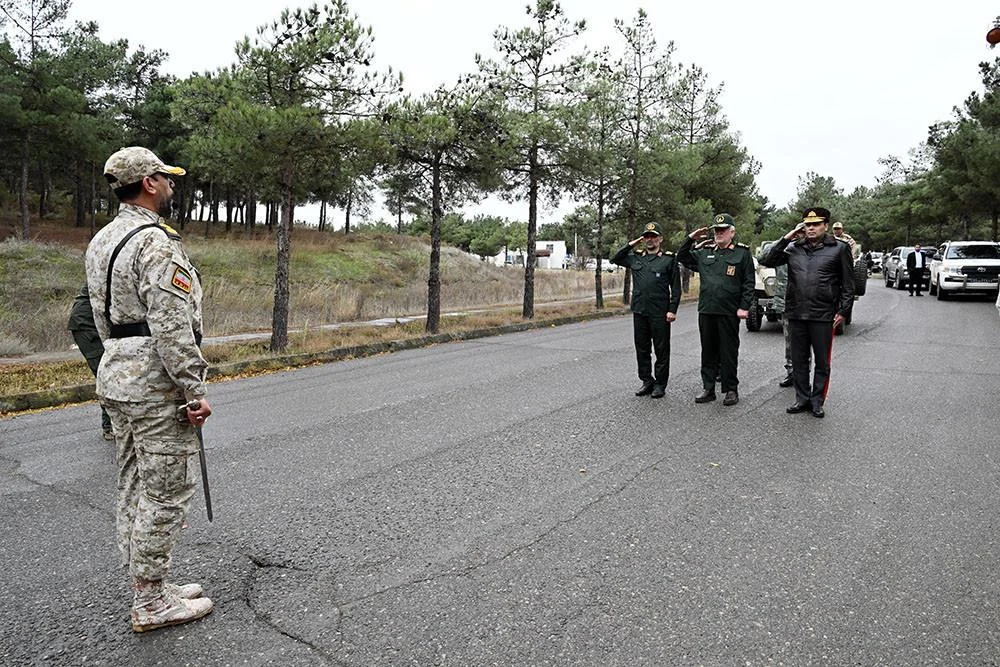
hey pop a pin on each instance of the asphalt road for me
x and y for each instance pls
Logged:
(509, 501)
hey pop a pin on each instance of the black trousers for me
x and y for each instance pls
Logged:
(652, 334)
(918, 283)
(817, 337)
(720, 350)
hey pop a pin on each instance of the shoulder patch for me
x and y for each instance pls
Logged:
(742, 245)
(181, 279)
(667, 252)
(171, 232)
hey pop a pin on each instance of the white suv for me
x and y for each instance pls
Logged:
(965, 266)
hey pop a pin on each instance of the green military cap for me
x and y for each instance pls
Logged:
(723, 221)
(132, 164)
(652, 228)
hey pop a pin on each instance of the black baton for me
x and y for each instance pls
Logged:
(194, 405)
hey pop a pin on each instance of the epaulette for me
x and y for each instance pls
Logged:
(666, 252)
(742, 245)
(171, 232)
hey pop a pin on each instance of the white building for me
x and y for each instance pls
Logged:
(548, 255)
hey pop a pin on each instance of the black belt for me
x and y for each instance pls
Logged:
(130, 330)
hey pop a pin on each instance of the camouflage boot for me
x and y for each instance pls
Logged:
(186, 591)
(155, 607)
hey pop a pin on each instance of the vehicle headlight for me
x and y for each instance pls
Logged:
(951, 269)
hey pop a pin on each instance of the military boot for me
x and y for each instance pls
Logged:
(156, 607)
(186, 591)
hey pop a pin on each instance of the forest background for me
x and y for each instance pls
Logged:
(624, 131)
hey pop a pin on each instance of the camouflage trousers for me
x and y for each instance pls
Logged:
(157, 449)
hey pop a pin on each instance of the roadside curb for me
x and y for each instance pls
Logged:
(49, 398)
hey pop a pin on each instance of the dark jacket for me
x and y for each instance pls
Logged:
(820, 278)
(656, 281)
(727, 276)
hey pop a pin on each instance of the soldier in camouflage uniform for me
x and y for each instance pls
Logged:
(146, 300)
(88, 341)
(656, 294)
(727, 292)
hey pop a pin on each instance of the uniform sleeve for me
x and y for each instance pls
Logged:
(686, 256)
(749, 280)
(675, 288)
(776, 255)
(846, 280)
(622, 257)
(165, 285)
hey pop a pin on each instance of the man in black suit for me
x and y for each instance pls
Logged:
(915, 263)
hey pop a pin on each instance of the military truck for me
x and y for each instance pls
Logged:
(765, 282)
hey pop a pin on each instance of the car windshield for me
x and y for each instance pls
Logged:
(986, 251)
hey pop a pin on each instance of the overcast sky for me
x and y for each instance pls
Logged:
(828, 87)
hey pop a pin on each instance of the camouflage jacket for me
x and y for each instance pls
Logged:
(153, 282)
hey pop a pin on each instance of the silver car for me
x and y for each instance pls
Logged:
(894, 267)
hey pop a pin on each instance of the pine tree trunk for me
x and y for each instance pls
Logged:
(434, 275)
(598, 286)
(279, 319)
(528, 307)
(25, 158)
(347, 215)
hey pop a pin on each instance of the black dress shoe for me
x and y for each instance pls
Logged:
(646, 389)
(706, 396)
(658, 391)
(797, 408)
(787, 382)
(818, 411)
(732, 398)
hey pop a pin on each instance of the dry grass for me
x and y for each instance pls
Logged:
(333, 279)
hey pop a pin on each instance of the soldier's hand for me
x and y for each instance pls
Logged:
(635, 242)
(699, 233)
(671, 317)
(838, 319)
(197, 416)
(800, 230)
(742, 314)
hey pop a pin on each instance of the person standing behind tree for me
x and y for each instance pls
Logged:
(88, 341)
(656, 294)
(146, 298)
(819, 295)
(726, 294)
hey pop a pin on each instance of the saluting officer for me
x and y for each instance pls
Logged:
(146, 301)
(656, 293)
(725, 297)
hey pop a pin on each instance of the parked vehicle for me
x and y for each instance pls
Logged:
(961, 267)
(876, 266)
(894, 267)
(764, 285)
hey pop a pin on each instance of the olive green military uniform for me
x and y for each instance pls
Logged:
(81, 326)
(656, 291)
(727, 284)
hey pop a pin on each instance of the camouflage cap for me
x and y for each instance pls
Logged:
(652, 228)
(838, 225)
(132, 164)
(723, 221)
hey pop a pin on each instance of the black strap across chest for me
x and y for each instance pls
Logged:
(132, 328)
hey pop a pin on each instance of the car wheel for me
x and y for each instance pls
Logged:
(885, 277)
(754, 316)
(860, 279)
(942, 295)
(899, 282)
(932, 289)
